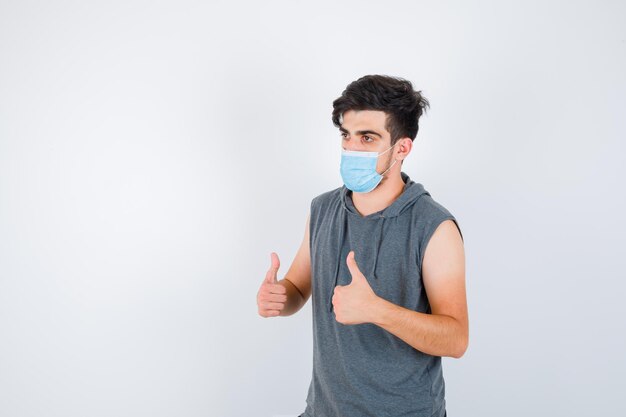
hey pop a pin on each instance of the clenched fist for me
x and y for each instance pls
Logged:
(272, 296)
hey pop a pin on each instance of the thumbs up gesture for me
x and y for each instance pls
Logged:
(271, 296)
(354, 303)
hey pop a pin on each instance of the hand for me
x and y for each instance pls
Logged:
(354, 302)
(272, 296)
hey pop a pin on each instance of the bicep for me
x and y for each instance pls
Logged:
(443, 273)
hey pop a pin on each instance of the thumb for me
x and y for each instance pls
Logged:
(353, 267)
(270, 276)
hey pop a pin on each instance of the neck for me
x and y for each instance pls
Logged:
(381, 197)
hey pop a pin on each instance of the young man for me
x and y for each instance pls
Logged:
(385, 265)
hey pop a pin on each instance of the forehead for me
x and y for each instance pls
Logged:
(364, 119)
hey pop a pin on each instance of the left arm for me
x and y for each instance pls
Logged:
(445, 332)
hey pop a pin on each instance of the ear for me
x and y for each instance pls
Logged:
(404, 146)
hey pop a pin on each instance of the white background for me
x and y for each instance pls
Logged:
(153, 154)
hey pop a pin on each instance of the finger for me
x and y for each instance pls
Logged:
(276, 289)
(269, 305)
(271, 275)
(279, 298)
(352, 266)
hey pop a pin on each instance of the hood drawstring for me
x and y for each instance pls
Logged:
(380, 241)
(342, 232)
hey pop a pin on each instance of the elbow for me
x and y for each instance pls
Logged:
(461, 349)
(462, 342)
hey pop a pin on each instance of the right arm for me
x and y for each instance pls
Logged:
(297, 281)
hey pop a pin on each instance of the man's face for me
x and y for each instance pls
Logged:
(364, 130)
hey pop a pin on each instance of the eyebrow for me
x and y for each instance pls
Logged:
(362, 132)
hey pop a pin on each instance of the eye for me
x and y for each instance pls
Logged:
(369, 141)
(342, 134)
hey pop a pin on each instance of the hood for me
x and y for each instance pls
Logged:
(412, 192)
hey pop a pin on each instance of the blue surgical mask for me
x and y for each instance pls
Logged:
(358, 170)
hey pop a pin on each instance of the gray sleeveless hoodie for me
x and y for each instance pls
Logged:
(362, 370)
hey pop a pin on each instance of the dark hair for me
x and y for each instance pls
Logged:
(393, 95)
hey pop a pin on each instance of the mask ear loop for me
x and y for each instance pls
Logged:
(387, 149)
(394, 161)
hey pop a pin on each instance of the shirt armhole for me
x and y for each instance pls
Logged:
(430, 230)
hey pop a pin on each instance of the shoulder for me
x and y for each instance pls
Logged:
(325, 207)
(430, 213)
(431, 208)
(326, 198)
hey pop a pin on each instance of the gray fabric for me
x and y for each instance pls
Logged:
(362, 370)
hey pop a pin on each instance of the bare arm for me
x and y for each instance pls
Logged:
(297, 281)
(445, 332)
